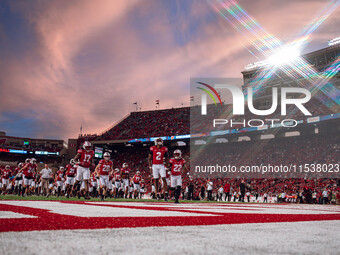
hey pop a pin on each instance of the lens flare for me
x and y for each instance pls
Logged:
(284, 56)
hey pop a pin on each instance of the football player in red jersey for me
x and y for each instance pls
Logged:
(117, 182)
(177, 164)
(136, 184)
(70, 173)
(94, 184)
(157, 156)
(167, 177)
(110, 188)
(142, 189)
(103, 170)
(59, 180)
(28, 173)
(153, 189)
(18, 179)
(6, 173)
(85, 157)
(124, 173)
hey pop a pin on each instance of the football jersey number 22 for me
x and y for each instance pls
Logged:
(177, 168)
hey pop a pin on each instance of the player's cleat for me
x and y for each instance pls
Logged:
(176, 201)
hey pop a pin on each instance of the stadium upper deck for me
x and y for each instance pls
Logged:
(176, 121)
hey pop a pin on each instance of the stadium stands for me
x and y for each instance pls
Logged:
(295, 150)
(176, 121)
(151, 123)
(315, 149)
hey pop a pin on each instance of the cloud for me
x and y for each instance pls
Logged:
(92, 59)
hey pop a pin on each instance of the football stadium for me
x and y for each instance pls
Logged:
(249, 164)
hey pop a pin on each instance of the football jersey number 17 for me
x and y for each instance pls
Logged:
(87, 157)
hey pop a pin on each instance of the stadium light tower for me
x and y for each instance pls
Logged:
(285, 55)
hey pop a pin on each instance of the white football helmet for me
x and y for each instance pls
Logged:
(107, 156)
(87, 145)
(33, 161)
(72, 162)
(20, 165)
(125, 165)
(7, 167)
(61, 168)
(28, 160)
(177, 154)
(159, 141)
(117, 170)
(137, 172)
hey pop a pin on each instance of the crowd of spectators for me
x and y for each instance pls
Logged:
(51, 159)
(314, 149)
(151, 123)
(286, 150)
(176, 121)
(292, 150)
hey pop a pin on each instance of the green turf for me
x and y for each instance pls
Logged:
(54, 198)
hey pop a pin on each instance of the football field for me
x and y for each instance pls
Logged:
(88, 227)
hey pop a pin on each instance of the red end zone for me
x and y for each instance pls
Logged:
(62, 215)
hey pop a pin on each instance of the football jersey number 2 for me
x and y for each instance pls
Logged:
(158, 155)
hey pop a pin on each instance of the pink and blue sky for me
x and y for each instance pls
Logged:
(66, 63)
